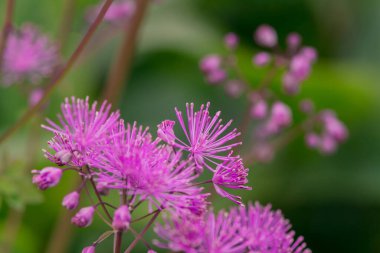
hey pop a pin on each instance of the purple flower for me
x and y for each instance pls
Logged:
(216, 76)
(312, 140)
(234, 88)
(252, 229)
(135, 162)
(334, 127)
(268, 231)
(231, 174)
(293, 41)
(182, 232)
(210, 63)
(47, 177)
(266, 36)
(29, 56)
(291, 83)
(84, 217)
(89, 249)
(121, 218)
(281, 116)
(71, 200)
(165, 131)
(259, 109)
(35, 96)
(204, 134)
(231, 40)
(82, 128)
(261, 59)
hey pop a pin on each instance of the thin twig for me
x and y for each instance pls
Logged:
(7, 27)
(122, 65)
(59, 74)
(145, 216)
(133, 244)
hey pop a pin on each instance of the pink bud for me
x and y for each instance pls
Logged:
(47, 177)
(63, 157)
(281, 114)
(335, 128)
(165, 131)
(35, 96)
(300, 67)
(310, 53)
(234, 88)
(290, 83)
(231, 40)
(259, 109)
(89, 249)
(84, 217)
(266, 36)
(210, 63)
(327, 145)
(122, 218)
(312, 140)
(102, 188)
(293, 41)
(261, 59)
(216, 76)
(306, 106)
(71, 200)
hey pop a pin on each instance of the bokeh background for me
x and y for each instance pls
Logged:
(333, 201)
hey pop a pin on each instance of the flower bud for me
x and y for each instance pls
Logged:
(306, 106)
(290, 83)
(266, 36)
(102, 188)
(300, 67)
(84, 217)
(261, 59)
(210, 63)
(310, 53)
(312, 140)
(35, 96)
(71, 200)
(328, 145)
(47, 177)
(165, 131)
(121, 218)
(63, 157)
(231, 40)
(281, 114)
(293, 41)
(234, 88)
(216, 76)
(259, 109)
(89, 249)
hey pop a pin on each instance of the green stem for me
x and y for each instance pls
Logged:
(59, 75)
(122, 64)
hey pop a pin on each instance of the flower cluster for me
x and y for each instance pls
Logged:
(241, 230)
(111, 155)
(29, 56)
(266, 109)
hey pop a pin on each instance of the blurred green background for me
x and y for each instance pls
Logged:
(333, 201)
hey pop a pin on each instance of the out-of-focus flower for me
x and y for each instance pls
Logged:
(216, 76)
(47, 177)
(261, 59)
(293, 41)
(84, 217)
(259, 109)
(231, 40)
(210, 63)
(234, 88)
(281, 116)
(29, 56)
(266, 36)
(35, 96)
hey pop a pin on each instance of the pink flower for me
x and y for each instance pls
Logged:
(47, 177)
(84, 217)
(118, 13)
(234, 88)
(89, 249)
(231, 40)
(261, 59)
(210, 63)
(231, 174)
(259, 109)
(293, 41)
(29, 56)
(121, 218)
(71, 200)
(216, 76)
(205, 140)
(266, 36)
